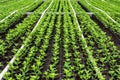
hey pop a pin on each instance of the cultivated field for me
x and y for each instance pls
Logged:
(59, 39)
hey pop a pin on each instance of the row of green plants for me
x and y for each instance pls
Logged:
(9, 6)
(27, 24)
(30, 52)
(106, 56)
(15, 17)
(33, 55)
(114, 2)
(23, 29)
(111, 9)
(113, 26)
(92, 64)
(52, 71)
(67, 67)
(43, 54)
(81, 68)
(15, 37)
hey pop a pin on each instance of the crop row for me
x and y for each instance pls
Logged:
(110, 9)
(114, 2)
(10, 6)
(108, 16)
(16, 15)
(15, 37)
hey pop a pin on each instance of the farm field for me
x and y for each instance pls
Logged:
(59, 40)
